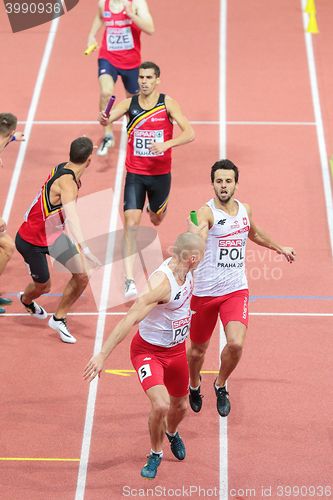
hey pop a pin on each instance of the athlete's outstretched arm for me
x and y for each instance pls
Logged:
(116, 113)
(139, 12)
(187, 133)
(259, 237)
(205, 222)
(157, 291)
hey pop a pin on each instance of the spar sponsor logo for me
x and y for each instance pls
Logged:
(143, 139)
(231, 252)
(230, 243)
(180, 329)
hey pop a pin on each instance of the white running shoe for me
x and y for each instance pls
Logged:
(107, 143)
(130, 289)
(61, 327)
(34, 309)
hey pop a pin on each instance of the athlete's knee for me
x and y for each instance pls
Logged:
(106, 93)
(180, 405)
(160, 408)
(42, 288)
(132, 225)
(82, 279)
(235, 348)
(197, 352)
(7, 246)
(155, 220)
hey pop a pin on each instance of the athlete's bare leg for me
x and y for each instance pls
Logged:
(76, 285)
(176, 413)
(132, 222)
(160, 406)
(235, 333)
(72, 292)
(106, 85)
(35, 290)
(7, 248)
(196, 357)
(155, 218)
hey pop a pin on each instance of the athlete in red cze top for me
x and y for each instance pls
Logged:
(220, 284)
(120, 52)
(148, 161)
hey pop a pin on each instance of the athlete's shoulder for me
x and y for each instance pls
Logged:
(247, 207)
(205, 214)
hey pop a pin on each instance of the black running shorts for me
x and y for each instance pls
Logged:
(34, 256)
(156, 187)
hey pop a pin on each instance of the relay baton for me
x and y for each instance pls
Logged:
(109, 105)
(194, 217)
(89, 50)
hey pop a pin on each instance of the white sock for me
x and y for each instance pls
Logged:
(170, 434)
(160, 453)
(195, 388)
(219, 386)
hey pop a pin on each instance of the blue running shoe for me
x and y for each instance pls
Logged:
(177, 446)
(149, 470)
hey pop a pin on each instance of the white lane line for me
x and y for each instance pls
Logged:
(294, 314)
(272, 123)
(324, 163)
(89, 420)
(193, 122)
(30, 119)
(223, 422)
(122, 313)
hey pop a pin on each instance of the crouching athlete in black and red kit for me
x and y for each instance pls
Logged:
(148, 161)
(42, 233)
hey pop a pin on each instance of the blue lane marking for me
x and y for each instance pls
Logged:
(253, 298)
(15, 294)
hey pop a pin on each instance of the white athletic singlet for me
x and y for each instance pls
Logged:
(222, 270)
(169, 324)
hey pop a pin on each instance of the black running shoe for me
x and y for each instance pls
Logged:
(149, 470)
(195, 398)
(177, 446)
(222, 401)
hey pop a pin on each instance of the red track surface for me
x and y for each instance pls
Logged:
(279, 431)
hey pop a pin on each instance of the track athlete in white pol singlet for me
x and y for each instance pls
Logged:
(220, 284)
(158, 349)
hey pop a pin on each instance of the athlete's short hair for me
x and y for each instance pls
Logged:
(81, 149)
(224, 165)
(151, 65)
(8, 123)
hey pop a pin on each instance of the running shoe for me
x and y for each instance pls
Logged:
(2, 310)
(177, 446)
(195, 399)
(149, 470)
(222, 401)
(34, 309)
(130, 289)
(5, 302)
(60, 326)
(105, 145)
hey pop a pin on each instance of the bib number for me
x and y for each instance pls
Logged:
(119, 39)
(180, 329)
(231, 253)
(144, 371)
(145, 138)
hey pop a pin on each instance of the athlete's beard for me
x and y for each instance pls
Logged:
(224, 200)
